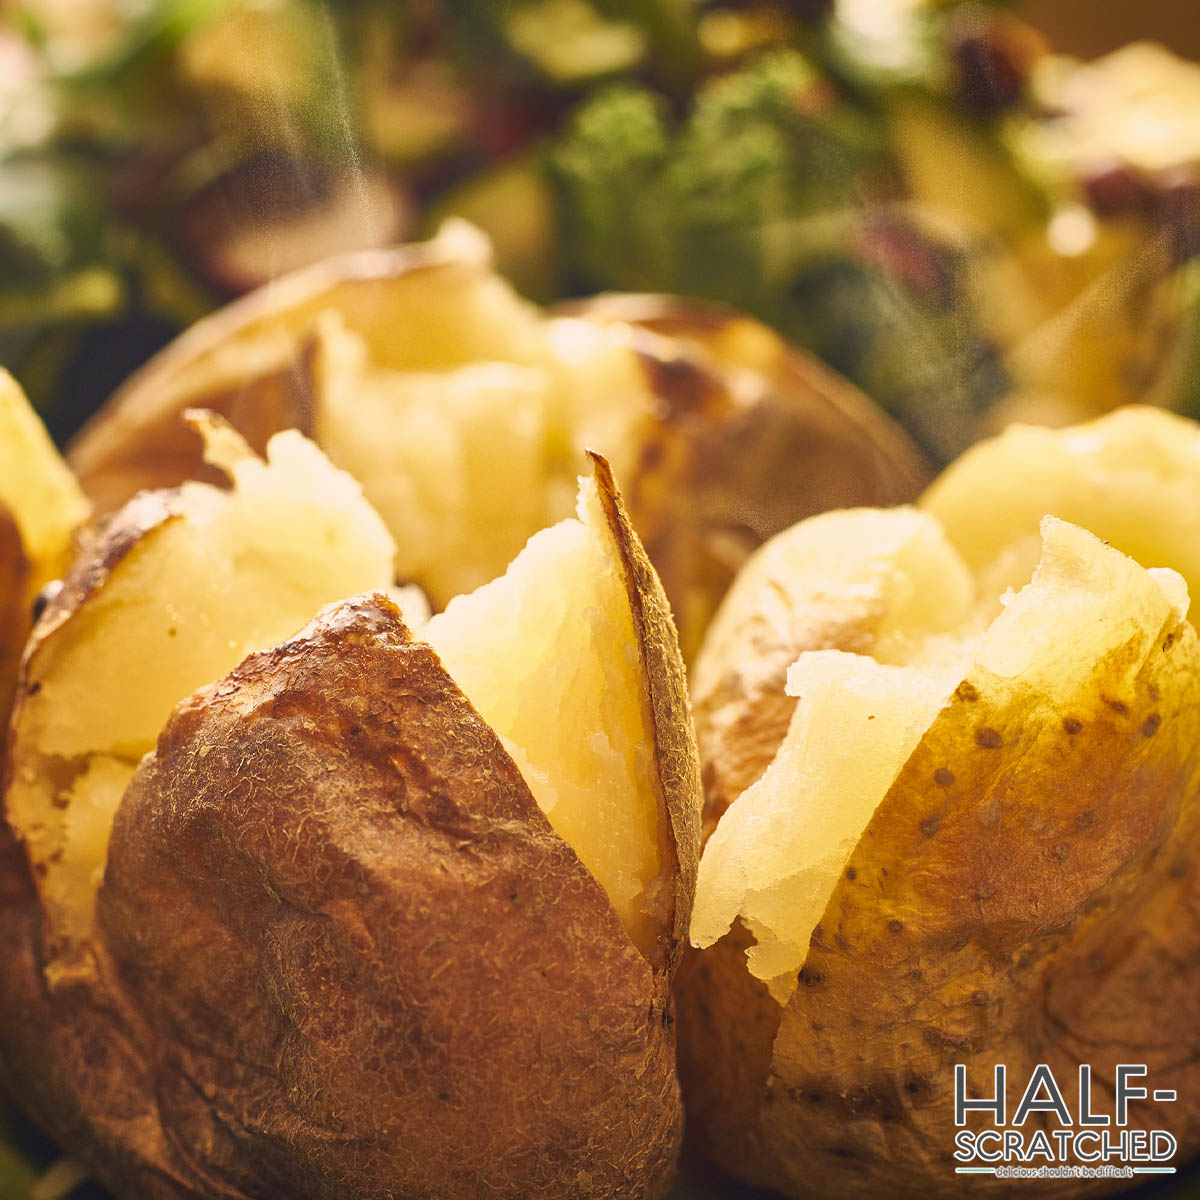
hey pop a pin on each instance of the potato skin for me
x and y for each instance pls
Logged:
(838, 449)
(339, 951)
(727, 1027)
(391, 970)
(675, 753)
(156, 449)
(1073, 833)
(751, 435)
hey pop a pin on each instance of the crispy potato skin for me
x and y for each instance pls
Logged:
(341, 951)
(1073, 835)
(156, 449)
(377, 968)
(1077, 850)
(676, 756)
(727, 1027)
(837, 448)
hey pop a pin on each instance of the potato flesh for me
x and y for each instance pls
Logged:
(549, 656)
(238, 571)
(467, 460)
(454, 461)
(36, 486)
(779, 851)
(856, 723)
(1132, 478)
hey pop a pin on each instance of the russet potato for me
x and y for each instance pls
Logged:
(952, 783)
(303, 895)
(466, 413)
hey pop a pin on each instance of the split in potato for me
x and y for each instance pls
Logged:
(466, 413)
(182, 586)
(968, 836)
(424, 882)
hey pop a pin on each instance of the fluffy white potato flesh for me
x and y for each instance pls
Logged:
(549, 656)
(36, 486)
(231, 572)
(779, 850)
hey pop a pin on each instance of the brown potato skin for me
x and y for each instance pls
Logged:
(362, 952)
(752, 435)
(1026, 892)
(349, 955)
(676, 756)
(162, 450)
(839, 449)
(339, 949)
(727, 1024)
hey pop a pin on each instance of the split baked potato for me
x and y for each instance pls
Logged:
(952, 769)
(303, 895)
(466, 413)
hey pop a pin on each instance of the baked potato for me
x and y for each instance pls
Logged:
(952, 781)
(311, 896)
(41, 507)
(466, 411)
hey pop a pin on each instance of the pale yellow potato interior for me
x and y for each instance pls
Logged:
(549, 656)
(36, 486)
(779, 850)
(454, 461)
(465, 460)
(238, 571)
(1131, 477)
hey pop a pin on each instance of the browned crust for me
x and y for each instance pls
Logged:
(118, 459)
(887, 467)
(750, 436)
(340, 950)
(365, 960)
(727, 1024)
(1040, 907)
(675, 753)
